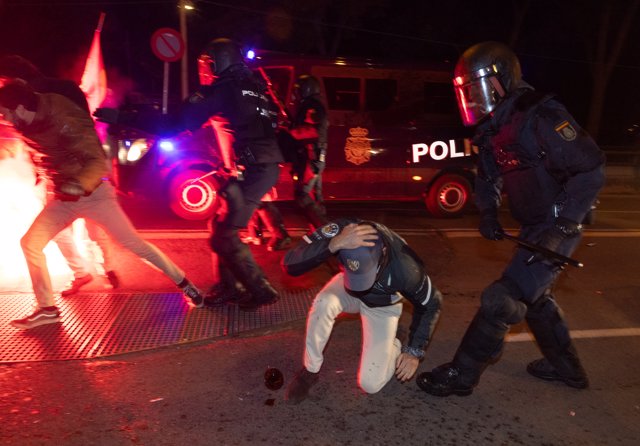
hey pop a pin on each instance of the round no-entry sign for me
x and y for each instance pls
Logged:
(167, 44)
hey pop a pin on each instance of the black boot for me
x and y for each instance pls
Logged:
(481, 344)
(312, 211)
(298, 389)
(263, 294)
(255, 233)
(560, 362)
(447, 379)
(240, 262)
(315, 215)
(542, 368)
(280, 240)
(272, 218)
(227, 290)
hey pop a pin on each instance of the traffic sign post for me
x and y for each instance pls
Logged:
(165, 89)
(168, 46)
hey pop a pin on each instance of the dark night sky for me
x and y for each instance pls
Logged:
(554, 41)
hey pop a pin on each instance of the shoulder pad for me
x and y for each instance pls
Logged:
(530, 99)
(557, 115)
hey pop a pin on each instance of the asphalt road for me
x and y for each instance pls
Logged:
(213, 392)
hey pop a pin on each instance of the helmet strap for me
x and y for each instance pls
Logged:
(495, 82)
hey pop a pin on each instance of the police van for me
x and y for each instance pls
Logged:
(394, 134)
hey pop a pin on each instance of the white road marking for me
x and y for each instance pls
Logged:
(519, 337)
(582, 334)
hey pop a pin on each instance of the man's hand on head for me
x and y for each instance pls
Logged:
(354, 236)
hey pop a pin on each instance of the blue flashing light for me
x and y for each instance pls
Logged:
(251, 55)
(166, 145)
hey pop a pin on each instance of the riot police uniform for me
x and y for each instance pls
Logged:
(237, 106)
(309, 127)
(532, 150)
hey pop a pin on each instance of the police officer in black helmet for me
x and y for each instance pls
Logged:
(309, 128)
(532, 150)
(235, 103)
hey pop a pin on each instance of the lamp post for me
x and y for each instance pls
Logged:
(184, 6)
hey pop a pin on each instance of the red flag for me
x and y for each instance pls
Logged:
(94, 78)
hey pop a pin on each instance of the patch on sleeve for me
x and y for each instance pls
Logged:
(566, 131)
(330, 230)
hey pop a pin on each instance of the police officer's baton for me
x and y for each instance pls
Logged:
(216, 172)
(200, 178)
(546, 252)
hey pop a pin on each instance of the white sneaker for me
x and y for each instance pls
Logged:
(39, 317)
(193, 293)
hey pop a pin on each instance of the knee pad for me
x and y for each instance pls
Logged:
(500, 302)
(545, 317)
(544, 306)
(553, 337)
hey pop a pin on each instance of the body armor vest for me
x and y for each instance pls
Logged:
(515, 154)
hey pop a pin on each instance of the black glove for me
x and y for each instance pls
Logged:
(107, 115)
(554, 236)
(490, 227)
(226, 174)
(70, 190)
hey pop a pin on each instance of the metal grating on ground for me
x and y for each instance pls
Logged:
(102, 324)
(293, 305)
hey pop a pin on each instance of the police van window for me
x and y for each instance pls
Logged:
(343, 93)
(439, 98)
(380, 94)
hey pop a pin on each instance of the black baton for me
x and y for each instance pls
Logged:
(547, 252)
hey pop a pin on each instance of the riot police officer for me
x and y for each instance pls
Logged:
(236, 105)
(532, 150)
(309, 128)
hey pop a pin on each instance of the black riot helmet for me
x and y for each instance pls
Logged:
(306, 86)
(484, 76)
(217, 57)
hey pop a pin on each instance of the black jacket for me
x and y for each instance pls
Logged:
(533, 150)
(312, 113)
(241, 99)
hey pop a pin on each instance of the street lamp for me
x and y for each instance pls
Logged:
(184, 6)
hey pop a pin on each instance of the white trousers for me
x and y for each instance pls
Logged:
(103, 208)
(380, 348)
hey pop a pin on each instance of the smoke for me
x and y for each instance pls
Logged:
(20, 202)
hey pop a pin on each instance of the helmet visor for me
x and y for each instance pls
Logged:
(477, 98)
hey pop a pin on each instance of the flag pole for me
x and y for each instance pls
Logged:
(101, 21)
